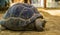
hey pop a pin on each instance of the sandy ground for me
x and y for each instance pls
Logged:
(52, 27)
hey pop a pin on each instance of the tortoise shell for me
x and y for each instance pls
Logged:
(19, 16)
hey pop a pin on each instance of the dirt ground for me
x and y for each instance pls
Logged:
(52, 27)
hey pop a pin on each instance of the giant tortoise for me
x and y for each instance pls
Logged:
(22, 17)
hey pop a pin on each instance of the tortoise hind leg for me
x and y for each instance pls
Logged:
(2, 28)
(40, 24)
(1, 25)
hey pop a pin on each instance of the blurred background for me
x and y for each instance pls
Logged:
(36, 3)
